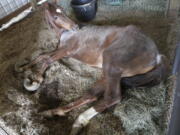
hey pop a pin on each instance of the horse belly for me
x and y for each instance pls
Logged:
(92, 57)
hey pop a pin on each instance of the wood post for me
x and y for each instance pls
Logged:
(34, 4)
(172, 8)
(13, 14)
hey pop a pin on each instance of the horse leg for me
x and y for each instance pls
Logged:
(33, 80)
(111, 97)
(89, 97)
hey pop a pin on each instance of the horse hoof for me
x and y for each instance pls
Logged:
(32, 84)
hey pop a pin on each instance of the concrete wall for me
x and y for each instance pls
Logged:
(172, 7)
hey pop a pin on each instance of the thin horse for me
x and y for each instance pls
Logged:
(125, 54)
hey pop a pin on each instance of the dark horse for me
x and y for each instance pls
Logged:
(127, 57)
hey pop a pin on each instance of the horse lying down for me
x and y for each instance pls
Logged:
(126, 56)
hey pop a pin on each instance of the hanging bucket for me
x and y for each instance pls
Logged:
(85, 10)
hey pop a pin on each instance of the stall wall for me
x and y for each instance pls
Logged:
(9, 6)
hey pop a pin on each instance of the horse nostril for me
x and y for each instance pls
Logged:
(55, 17)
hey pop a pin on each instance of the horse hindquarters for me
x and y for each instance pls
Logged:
(149, 79)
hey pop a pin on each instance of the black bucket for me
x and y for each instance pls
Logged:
(84, 11)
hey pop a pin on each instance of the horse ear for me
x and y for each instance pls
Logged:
(46, 5)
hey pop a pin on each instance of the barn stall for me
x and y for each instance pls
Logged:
(143, 111)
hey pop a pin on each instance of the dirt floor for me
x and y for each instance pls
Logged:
(142, 111)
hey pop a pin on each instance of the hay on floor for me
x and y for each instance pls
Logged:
(142, 111)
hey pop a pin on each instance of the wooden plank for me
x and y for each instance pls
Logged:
(15, 13)
(2, 131)
(173, 128)
(174, 122)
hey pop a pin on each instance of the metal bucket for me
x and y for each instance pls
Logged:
(85, 12)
